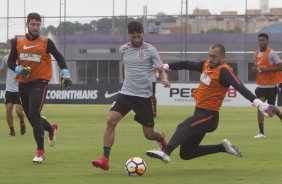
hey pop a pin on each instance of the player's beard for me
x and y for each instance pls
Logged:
(31, 34)
(138, 44)
(213, 65)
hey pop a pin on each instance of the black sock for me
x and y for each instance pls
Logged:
(107, 151)
(261, 128)
(161, 138)
(38, 133)
(168, 150)
(12, 128)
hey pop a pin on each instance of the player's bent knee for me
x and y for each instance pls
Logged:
(111, 121)
(184, 156)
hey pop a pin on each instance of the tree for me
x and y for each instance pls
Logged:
(104, 25)
(50, 29)
(69, 28)
(86, 28)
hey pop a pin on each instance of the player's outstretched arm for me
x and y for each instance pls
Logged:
(266, 109)
(184, 65)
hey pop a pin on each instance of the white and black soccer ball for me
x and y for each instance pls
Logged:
(135, 166)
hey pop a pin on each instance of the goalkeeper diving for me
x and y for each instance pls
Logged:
(215, 80)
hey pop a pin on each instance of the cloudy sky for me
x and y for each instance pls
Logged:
(51, 8)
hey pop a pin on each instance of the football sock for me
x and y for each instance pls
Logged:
(12, 128)
(107, 151)
(168, 149)
(47, 126)
(161, 138)
(261, 128)
(38, 133)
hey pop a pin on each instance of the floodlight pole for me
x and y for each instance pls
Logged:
(186, 24)
(60, 26)
(65, 14)
(113, 19)
(24, 18)
(125, 20)
(181, 28)
(7, 20)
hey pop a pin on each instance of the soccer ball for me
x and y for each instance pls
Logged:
(135, 166)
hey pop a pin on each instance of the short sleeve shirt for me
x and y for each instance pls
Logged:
(138, 64)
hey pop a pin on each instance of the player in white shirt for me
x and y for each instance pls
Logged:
(137, 57)
(12, 97)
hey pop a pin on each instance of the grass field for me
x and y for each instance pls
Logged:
(80, 139)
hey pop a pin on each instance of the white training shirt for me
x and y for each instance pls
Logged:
(12, 84)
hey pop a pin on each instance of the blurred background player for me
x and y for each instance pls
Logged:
(268, 69)
(34, 71)
(12, 97)
(154, 98)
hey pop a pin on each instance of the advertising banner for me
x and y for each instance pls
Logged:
(177, 94)
(181, 94)
(78, 94)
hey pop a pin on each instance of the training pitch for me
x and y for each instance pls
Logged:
(80, 140)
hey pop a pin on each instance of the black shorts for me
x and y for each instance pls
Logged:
(141, 106)
(269, 94)
(12, 97)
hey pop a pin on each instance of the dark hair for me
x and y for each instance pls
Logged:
(12, 41)
(135, 26)
(263, 35)
(35, 16)
(220, 46)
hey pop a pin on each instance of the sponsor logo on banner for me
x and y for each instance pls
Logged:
(72, 94)
(178, 94)
(181, 94)
(77, 94)
(109, 95)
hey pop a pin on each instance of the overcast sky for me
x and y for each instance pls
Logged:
(51, 8)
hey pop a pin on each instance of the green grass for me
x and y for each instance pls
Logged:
(80, 139)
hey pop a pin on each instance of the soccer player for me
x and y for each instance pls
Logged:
(12, 97)
(268, 69)
(34, 70)
(138, 57)
(216, 78)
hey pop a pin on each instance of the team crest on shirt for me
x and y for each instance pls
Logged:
(141, 54)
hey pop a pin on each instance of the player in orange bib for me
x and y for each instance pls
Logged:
(268, 69)
(34, 71)
(216, 78)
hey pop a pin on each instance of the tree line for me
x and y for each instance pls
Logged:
(104, 25)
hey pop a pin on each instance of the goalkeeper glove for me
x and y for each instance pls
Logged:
(65, 79)
(266, 109)
(23, 71)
